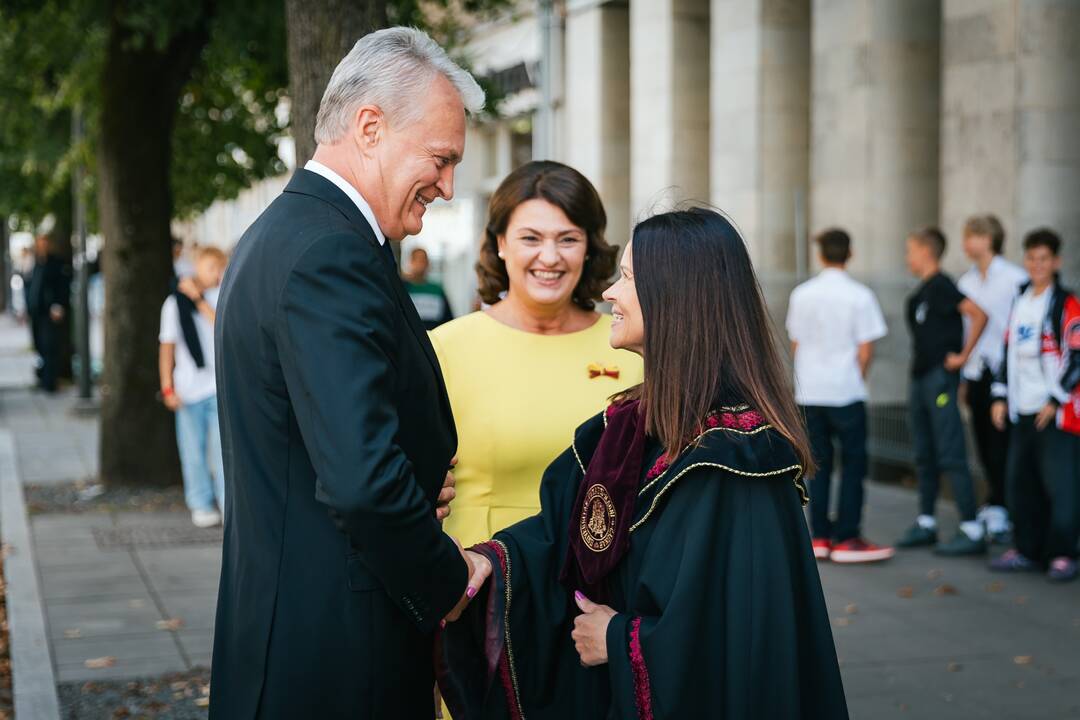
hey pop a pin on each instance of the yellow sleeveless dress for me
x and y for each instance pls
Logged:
(517, 398)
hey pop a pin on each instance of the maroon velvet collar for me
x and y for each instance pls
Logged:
(600, 532)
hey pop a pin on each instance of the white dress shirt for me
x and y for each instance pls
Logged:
(829, 316)
(319, 169)
(994, 294)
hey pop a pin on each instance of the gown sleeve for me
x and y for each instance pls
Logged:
(732, 620)
(508, 650)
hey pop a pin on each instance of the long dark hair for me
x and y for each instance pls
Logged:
(565, 188)
(708, 337)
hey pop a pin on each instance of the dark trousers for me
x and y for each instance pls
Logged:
(46, 336)
(846, 425)
(1044, 490)
(939, 441)
(991, 443)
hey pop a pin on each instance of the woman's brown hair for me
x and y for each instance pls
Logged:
(566, 188)
(708, 337)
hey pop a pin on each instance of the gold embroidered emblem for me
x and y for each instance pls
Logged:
(598, 519)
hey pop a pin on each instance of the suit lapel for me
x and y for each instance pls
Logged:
(412, 319)
(306, 182)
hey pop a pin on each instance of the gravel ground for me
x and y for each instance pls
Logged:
(79, 497)
(176, 696)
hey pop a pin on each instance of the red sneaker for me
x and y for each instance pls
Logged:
(860, 550)
(822, 548)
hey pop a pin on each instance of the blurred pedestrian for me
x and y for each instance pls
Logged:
(538, 362)
(428, 296)
(1038, 389)
(992, 283)
(182, 266)
(48, 302)
(935, 317)
(833, 322)
(188, 385)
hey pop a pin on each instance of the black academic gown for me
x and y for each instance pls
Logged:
(720, 608)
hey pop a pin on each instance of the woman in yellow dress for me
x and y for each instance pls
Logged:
(527, 370)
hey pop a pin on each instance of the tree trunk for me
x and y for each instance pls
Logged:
(5, 265)
(320, 33)
(141, 85)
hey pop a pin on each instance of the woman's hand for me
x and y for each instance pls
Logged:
(447, 494)
(479, 572)
(590, 631)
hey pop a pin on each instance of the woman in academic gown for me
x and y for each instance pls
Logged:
(669, 573)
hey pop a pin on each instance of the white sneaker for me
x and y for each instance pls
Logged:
(205, 518)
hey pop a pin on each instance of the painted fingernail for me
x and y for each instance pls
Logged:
(471, 592)
(442, 624)
(579, 595)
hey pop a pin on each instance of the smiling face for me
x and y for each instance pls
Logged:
(1041, 264)
(628, 324)
(544, 253)
(416, 161)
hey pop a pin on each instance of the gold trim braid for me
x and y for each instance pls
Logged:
(506, 629)
(697, 440)
(771, 473)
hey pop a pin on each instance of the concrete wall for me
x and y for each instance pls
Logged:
(597, 108)
(875, 111)
(669, 103)
(1010, 125)
(759, 132)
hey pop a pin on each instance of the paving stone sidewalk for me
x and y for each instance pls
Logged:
(918, 637)
(127, 594)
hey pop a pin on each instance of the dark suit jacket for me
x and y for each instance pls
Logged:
(337, 435)
(49, 284)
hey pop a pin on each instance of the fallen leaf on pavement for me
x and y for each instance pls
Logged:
(841, 622)
(1022, 600)
(1022, 659)
(995, 586)
(72, 633)
(955, 667)
(851, 609)
(101, 662)
(934, 574)
(945, 589)
(170, 624)
(906, 592)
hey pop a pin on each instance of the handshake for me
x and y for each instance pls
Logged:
(479, 566)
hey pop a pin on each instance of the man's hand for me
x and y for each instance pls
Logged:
(479, 571)
(447, 494)
(590, 631)
(998, 414)
(56, 313)
(954, 361)
(188, 287)
(1046, 416)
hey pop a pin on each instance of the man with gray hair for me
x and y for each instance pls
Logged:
(336, 429)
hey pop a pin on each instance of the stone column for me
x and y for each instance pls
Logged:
(760, 100)
(597, 104)
(875, 114)
(669, 122)
(1010, 128)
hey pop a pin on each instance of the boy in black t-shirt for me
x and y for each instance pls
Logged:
(935, 313)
